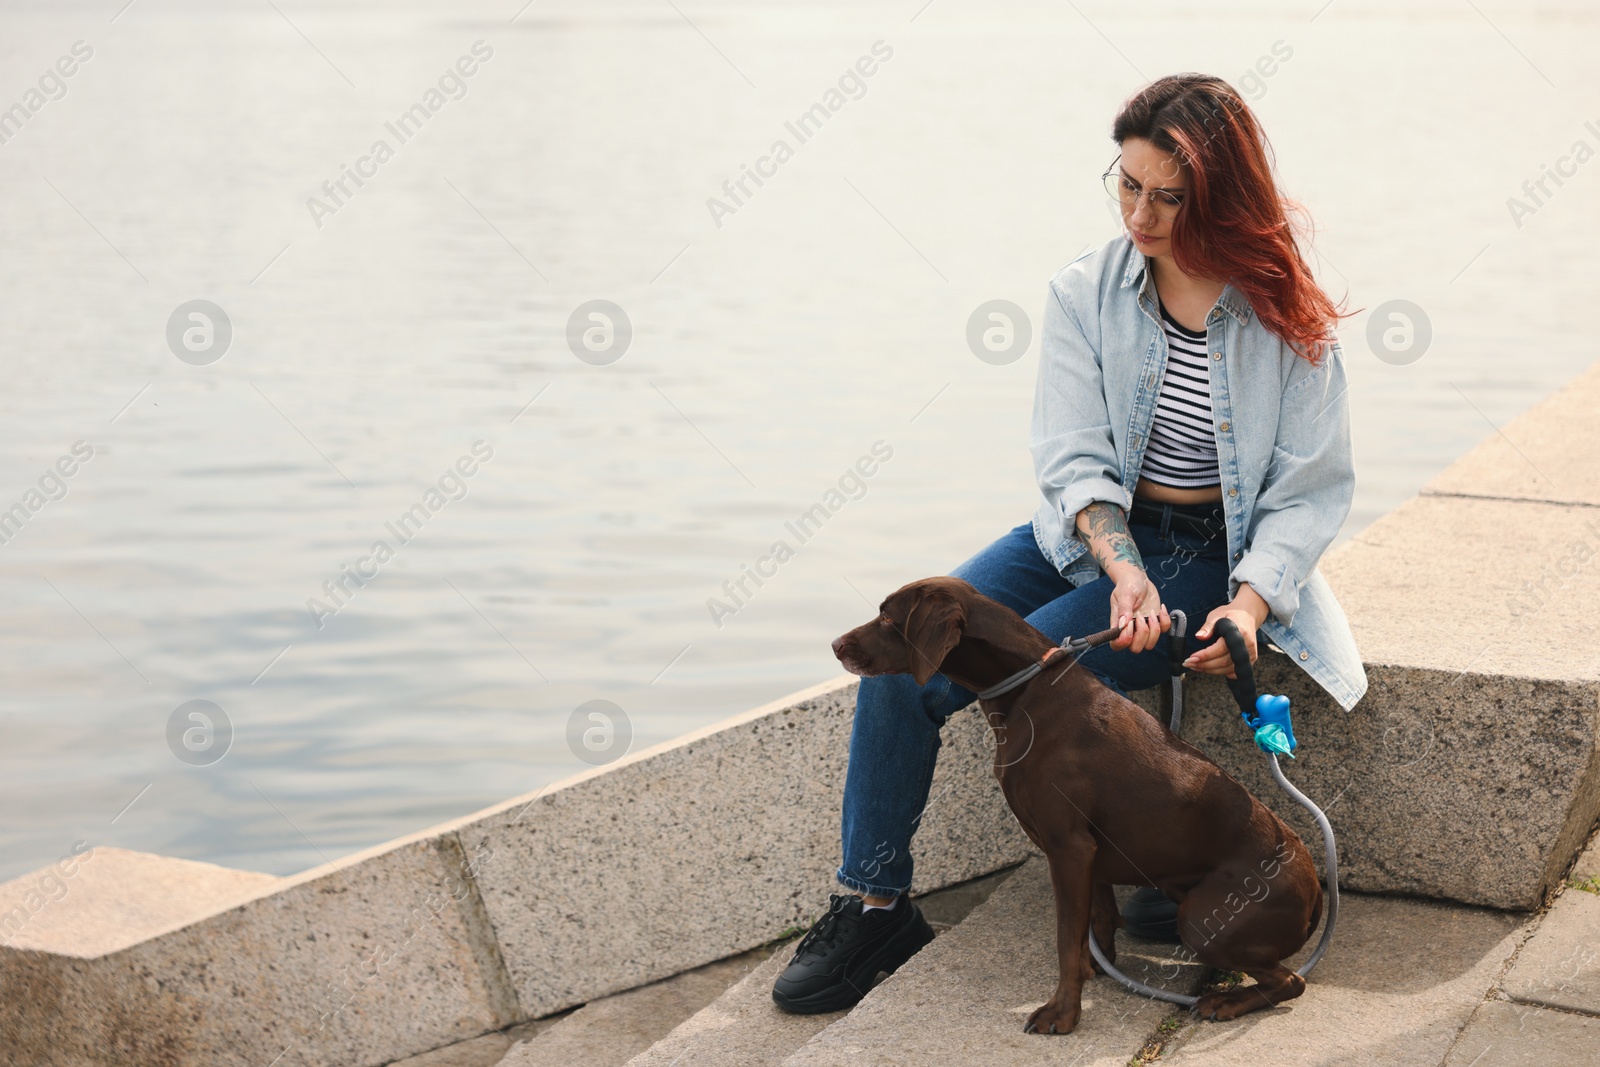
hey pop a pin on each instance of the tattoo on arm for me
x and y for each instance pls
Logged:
(1104, 529)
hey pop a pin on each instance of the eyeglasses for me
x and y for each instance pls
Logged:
(1165, 204)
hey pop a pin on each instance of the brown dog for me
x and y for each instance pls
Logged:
(1112, 798)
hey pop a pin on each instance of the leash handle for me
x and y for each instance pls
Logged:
(1177, 643)
(1079, 645)
(1243, 683)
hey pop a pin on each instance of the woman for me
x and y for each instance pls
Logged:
(1191, 443)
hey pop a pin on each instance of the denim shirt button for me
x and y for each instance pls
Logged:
(1224, 427)
(1238, 555)
(1216, 355)
(1233, 492)
(1305, 655)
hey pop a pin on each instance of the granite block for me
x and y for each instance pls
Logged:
(360, 963)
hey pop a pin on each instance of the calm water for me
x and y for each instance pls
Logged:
(826, 312)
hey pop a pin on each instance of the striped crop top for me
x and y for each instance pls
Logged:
(1182, 450)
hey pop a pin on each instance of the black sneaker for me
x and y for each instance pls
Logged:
(1152, 915)
(845, 950)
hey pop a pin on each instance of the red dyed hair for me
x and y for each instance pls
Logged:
(1233, 224)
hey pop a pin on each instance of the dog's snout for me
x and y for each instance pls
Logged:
(848, 651)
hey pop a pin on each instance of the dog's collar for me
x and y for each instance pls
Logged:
(1027, 673)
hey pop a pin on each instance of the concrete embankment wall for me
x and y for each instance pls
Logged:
(671, 858)
(1468, 772)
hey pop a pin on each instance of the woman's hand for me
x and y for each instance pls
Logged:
(1137, 609)
(1248, 611)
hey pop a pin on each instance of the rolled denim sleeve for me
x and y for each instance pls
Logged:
(1074, 456)
(1307, 488)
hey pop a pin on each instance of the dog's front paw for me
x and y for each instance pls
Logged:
(1053, 1017)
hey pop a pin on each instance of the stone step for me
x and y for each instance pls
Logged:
(1400, 981)
(611, 1031)
(1409, 982)
(1559, 967)
(606, 1032)
(486, 1050)
(1503, 1034)
(1406, 982)
(743, 1028)
(1547, 1008)
(964, 998)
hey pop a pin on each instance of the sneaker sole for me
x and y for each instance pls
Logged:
(846, 994)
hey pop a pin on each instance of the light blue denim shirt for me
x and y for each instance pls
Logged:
(1283, 446)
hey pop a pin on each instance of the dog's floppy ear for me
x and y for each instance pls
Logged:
(933, 628)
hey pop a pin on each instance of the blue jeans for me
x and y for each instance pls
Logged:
(895, 738)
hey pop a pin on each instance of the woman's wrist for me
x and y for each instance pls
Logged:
(1248, 600)
(1120, 571)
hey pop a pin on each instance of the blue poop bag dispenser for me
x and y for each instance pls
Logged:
(1274, 731)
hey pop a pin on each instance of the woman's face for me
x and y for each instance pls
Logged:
(1150, 169)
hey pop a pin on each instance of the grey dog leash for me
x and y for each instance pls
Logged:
(1072, 646)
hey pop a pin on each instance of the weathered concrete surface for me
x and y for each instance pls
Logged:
(948, 907)
(485, 1050)
(964, 998)
(1516, 1035)
(744, 1028)
(117, 898)
(1586, 868)
(741, 1028)
(603, 1033)
(1559, 967)
(1442, 584)
(694, 851)
(350, 965)
(1399, 981)
(1561, 435)
(611, 1031)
